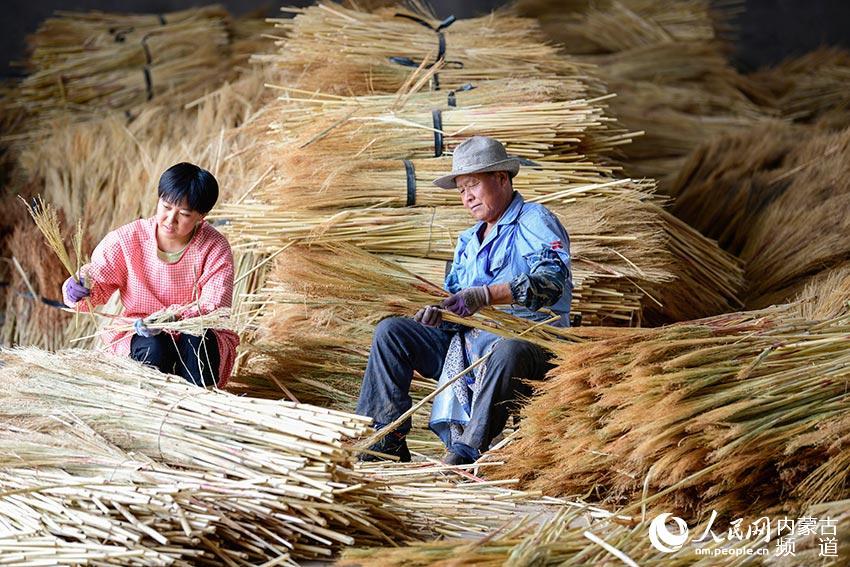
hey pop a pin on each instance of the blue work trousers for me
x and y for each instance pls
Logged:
(401, 346)
(195, 359)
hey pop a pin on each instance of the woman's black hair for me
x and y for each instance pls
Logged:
(190, 182)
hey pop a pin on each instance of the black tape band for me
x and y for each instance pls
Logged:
(441, 44)
(148, 81)
(437, 118)
(453, 99)
(120, 34)
(148, 56)
(411, 182)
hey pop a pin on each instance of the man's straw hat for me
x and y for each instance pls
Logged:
(478, 154)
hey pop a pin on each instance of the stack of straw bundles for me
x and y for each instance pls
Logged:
(810, 88)
(668, 415)
(106, 452)
(611, 239)
(88, 63)
(377, 51)
(784, 217)
(617, 25)
(663, 59)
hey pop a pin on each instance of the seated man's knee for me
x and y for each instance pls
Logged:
(511, 351)
(390, 327)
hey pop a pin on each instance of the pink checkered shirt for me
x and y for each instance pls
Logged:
(126, 260)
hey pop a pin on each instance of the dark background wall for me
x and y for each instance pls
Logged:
(769, 30)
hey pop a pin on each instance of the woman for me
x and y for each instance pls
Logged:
(174, 259)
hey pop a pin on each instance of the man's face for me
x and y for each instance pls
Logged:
(485, 195)
(176, 221)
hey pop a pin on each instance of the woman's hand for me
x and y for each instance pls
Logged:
(76, 290)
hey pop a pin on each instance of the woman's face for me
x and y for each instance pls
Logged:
(176, 221)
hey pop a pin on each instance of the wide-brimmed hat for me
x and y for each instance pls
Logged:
(478, 154)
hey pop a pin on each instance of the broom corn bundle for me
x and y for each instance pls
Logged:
(773, 197)
(92, 75)
(132, 457)
(669, 414)
(530, 130)
(47, 221)
(617, 25)
(808, 88)
(376, 51)
(363, 183)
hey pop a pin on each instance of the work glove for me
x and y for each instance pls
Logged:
(467, 301)
(430, 316)
(142, 329)
(76, 290)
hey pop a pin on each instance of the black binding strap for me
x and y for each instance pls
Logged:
(120, 34)
(148, 81)
(411, 182)
(437, 118)
(464, 88)
(441, 45)
(148, 56)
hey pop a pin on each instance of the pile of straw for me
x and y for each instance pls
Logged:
(617, 25)
(33, 313)
(810, 88)
(105, 452)
(567, 538)
(777, 198)
(667, 62)
(726, 183)
(709, 443)
(95, 62)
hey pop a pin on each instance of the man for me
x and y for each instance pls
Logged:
(516, 255)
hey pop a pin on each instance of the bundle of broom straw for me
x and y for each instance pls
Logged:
(529, 130)
(809, 88)
(364, 183)
(774, 198)
(726, 183)
(662, 58)
(567, 538)
(616, 25)
(376, 51)
(668, 416)
(114, 453)
(88, 64)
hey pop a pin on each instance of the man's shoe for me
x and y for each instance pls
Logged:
(454, 459)
(393, 445)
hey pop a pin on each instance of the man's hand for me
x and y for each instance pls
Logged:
(430, 316)
(467, 301)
